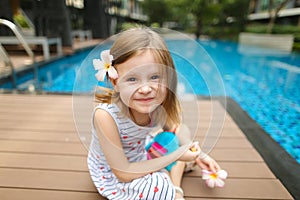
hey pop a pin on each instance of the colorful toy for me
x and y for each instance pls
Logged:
(162, 144)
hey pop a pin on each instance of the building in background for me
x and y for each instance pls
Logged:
(113, 14)
(290, 14)
(57, 18)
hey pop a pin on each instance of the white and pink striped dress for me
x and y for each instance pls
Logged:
(153, 186)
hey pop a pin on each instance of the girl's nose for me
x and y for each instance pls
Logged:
(145, 89)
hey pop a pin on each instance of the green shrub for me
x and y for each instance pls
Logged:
(278, 29)
(224, 32)
(128, 25)
(256, 28)
(21, 20)
(296, 46)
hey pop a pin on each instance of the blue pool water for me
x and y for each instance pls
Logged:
(265, 83)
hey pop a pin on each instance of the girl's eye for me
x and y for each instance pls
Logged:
(155, 77)
(131, 79)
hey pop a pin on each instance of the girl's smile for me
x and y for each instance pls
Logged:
(145, 100)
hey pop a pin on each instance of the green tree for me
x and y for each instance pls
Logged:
(274, 8)
(200, 16)
(157, 11)
(234, 13)
(204, 12)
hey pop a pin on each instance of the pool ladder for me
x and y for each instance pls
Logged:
(5, 57)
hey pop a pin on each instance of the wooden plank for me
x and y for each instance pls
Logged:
(33, 194)
(255, 170)
(17, 97)
(238, 155)
(37, 126)
(46, 179)
(246, 154)
(43, 161)
(29, 135)
(59, 114)
(42, 147)
(210, 124)
(219, 142)
(64, 110)
(237, 188)
(67, 117)
(203, 108)
(39, 101)
(192, 117)
(35, 110)
(39, 117)
(224, 132)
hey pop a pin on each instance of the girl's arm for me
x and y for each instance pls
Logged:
(110, 142)
(208, 163)
(185, 137)
(204, 161)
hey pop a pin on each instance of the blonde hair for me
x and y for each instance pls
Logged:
(132, 42)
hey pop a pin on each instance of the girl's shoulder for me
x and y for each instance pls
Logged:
(106, 113)
(109, 113)
(110, 108)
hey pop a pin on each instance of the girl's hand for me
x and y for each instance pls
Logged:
(207, 163)
(192, 153)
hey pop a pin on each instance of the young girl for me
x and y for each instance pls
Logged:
(143, 102)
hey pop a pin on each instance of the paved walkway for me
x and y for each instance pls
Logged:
(41, 156)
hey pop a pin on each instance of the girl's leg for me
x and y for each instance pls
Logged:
(176, 174)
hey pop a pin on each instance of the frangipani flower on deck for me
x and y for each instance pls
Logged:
(214, 179)
(104, 66)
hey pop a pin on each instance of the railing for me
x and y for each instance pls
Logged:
(7, 62)
(6, 58)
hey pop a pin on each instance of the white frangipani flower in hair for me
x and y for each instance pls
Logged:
(214, 179)
(104, 66)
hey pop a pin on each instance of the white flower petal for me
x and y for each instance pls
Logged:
(222, 174)
(105, 65)
(111, 58)
(100, 75)
(210, 183)
(219, 183)
(104, 54)
(98, 64)
(106, 57)
(112, 73)
(205, 174)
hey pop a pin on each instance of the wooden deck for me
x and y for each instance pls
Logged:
(41, 156)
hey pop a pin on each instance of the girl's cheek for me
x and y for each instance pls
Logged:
(126, 93)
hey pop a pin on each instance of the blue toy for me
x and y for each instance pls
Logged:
(162, 144)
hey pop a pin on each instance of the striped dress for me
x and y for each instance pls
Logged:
(153, 186)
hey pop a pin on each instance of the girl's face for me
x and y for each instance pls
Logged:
(141, 84)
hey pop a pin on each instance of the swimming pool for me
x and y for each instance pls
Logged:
(265, 83)
(266, 86)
